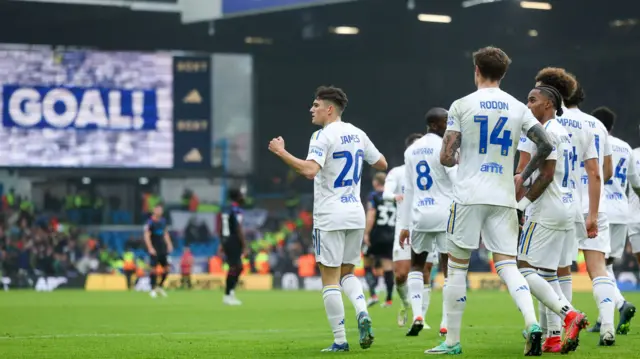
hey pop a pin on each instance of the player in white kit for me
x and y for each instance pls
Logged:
(336, 156)
(549, 229)
(485, 126)
(428, 195)
(617, 207)
(596, 248)
(583, 147)
(394, 191)
(634, 209)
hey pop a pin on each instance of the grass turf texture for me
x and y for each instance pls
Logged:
(276, 324)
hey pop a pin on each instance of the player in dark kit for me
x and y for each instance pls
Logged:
(379, 236)
(158, 242)
(233, 243)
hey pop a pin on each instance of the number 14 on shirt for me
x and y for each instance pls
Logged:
(505, 141)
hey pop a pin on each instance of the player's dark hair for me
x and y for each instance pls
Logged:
(554, 95)
(577, 97)
(411, 139)
(556, 77)
(380, 177)
(606, 116)
(435, 114)
(334, 95)
(492, 62)
(235, 195)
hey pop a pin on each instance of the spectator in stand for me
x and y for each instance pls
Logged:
(186, 264)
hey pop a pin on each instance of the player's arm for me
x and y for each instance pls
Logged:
(634, 175)
(542, 181)
(147, 239)
(371, 218)
(450, 145)
(607, 166)
(241, 235)
(373, 156)
(452, 138)
(525, 149)
(308, 168)
(523, 161)
(409, 189)
(167, 241)
(390, 185)
(541, 139)
(381, 164)
(592, 168)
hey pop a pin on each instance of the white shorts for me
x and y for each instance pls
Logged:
(428, 241)
(400, 254)
(433, 257)
(543, 247)
(570, 249)
(634, 228)
(602, 242)
(634, 239)
(334, 248)
(498, 226)
(618, 235)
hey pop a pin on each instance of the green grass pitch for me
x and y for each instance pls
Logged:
(275, 324)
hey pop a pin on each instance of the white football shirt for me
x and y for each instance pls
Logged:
(616, 200)
(634, 201)
(490, 121)
(340, 149)
(603, 147)
(394, 185)
(554, 208)
(429, 186)
(584, 148)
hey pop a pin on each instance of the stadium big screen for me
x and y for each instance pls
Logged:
(86, 109)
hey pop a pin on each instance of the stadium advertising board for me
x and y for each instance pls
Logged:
(96, 109)
(117, 282)
(43, 284)
(192, 112)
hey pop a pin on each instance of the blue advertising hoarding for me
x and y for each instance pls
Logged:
(247, 7)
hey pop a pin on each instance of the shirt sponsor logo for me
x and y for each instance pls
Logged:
(492, 167)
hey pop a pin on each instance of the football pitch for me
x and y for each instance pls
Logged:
(274, 324)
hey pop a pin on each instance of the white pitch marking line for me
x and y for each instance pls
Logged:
(213, 332)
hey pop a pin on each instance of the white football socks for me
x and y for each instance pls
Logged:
(619, 297)
(403, 293)
(455, 294)
(352, 287)
(443, 322)
(604, 294)
(518, 288)
(566, 285)
(543, 291)
(426, 298)
(415, 282)
(335, 312)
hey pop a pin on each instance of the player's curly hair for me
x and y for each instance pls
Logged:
(334, 95)
(606, 116)
(411, 139)
(559, 78)
(492, 62)
(577, 97)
